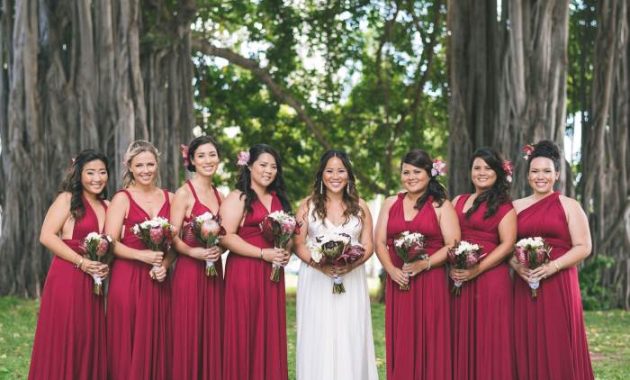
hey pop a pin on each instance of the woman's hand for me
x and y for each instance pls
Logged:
(158, 273)
(462, 275)
(152, 257)
(415, 267)
(398, 276)
(276, 256)
(544, 271)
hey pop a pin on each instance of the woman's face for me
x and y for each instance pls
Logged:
(206, 160)
(335, 175)
(264, 170)
(414, 179)
(542, 175)
(94, 177)
(144, 168)
(482, 175)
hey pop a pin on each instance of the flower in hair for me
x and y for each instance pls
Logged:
(527, 151)
(73, 161)
(243, 158)
(508, 169)
(439, 168)
(184, 150)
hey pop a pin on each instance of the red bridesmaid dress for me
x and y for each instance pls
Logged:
(549, 334)
(197, 310)
(482, 314)
(417, 321)
(70, 337)
(255, 334)
(139, 325)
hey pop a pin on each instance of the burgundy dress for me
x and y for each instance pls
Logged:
(417, 321)
(139, 324)
(197, 310)
(70, 336)
(549, 333)
(255, 335)
(482, 314)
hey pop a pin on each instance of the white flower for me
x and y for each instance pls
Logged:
(205, 217)
(465, 246)
(531, 243)
(93, 236)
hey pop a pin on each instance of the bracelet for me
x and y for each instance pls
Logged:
(261, 254)
(555, 264)
(78, 265)
(429, 263)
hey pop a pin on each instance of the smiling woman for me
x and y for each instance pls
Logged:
(70, 337)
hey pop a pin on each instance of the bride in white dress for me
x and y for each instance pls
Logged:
(334, 331)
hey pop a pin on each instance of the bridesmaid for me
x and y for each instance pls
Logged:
(255, 340)
(482, 314)
(70, 336)
(417, 328)
(550, 338)
(197, 299)
(334, 328)
(139, 324)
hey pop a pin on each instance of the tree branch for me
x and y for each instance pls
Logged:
(280, 93)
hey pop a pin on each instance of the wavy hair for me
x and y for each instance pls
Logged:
(244, 181)
(350, 195)
(421, 159)
(72, 181)
(499, 193)
(134, 149)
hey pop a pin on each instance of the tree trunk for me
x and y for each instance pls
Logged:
(77, 78)
(605, 183)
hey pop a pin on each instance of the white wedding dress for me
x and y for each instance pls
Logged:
(334, 331)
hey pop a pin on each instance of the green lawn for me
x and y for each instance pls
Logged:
(608, 333)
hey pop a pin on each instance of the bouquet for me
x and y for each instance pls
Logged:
(97, 247)
(279, 227)
(463, 255)
(532, 252)
(335, 249)
(208, 230)
(410, 247)
(156, 234)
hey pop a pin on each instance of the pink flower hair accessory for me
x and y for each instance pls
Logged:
(438, 169)
(508, 168)
(527, 150)
(184, 150)
(242, 158)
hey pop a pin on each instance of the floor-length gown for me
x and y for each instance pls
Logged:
(549, 333)
(70, 338)
(334, 331)
(139, 324)
(417, 321)
(482, 314)
(197, 309)
(255, 335)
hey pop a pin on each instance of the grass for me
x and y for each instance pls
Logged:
(608, 335)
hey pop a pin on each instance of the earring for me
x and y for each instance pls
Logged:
(348, 188)
(321, 187)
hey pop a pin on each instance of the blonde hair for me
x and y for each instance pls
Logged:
(134, 149)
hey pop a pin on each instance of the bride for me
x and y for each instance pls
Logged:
(334, 331)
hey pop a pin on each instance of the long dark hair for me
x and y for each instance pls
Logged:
(350, 194)
(499, 193)
(244, 181)
(547, 149)
(72, 181)
(421, 159)
(196, 143)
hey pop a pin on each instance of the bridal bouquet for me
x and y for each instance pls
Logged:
(410, 247)
(532, 252)
(97, 247)
(335, 249)
(208, 230)
(279, 227)
(156, 233)
(463, 255)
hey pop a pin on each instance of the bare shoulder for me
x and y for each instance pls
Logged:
(454, 201)
(235, 197)
(120, 199)
(520, 204)
(446, 205)
(570, 205)
(64, 197)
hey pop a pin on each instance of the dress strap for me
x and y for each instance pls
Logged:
(216, 194)
(167, 201)
(461, 202)
(192, 190)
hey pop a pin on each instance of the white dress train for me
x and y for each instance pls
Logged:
(334, 331)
